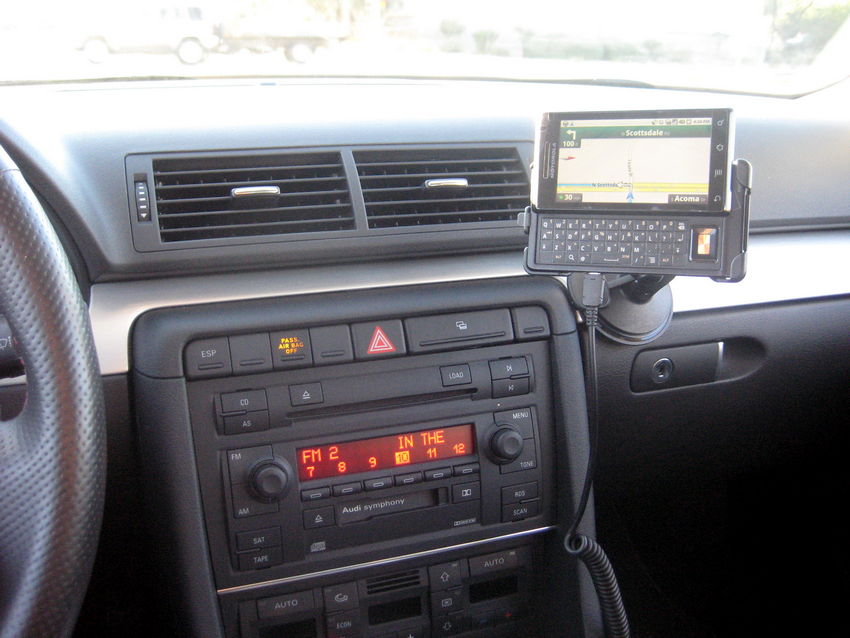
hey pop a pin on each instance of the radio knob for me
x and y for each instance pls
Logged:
(506, 444)
(269, 481)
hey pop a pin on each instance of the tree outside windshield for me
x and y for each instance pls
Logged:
(780, 47)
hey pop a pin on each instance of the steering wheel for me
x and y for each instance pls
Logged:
(53, 454)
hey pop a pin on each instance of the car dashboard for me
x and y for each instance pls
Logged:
(338, 406)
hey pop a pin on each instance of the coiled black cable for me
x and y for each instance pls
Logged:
(604, 580)
(584, 548)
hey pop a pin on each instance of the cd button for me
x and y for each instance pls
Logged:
(244, 401)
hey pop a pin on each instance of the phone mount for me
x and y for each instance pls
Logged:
(638, 307)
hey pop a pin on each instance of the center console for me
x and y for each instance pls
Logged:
(388, 463)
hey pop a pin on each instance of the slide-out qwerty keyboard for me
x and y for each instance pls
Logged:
(648, 243)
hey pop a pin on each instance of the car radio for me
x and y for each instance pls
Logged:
(380, 467)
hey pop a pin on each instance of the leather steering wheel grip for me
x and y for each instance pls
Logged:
(53, 454)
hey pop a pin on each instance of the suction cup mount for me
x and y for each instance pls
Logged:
(637, 308)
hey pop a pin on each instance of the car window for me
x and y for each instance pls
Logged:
(782, 47)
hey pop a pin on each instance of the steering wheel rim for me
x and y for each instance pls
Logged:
(53, 454)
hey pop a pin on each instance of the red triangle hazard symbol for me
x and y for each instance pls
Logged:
(380, 342)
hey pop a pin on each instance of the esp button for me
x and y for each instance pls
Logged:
(208, 358)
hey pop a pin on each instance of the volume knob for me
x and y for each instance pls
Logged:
(506, 444)
(269, 481)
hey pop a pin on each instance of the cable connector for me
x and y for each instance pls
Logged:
(592, 296)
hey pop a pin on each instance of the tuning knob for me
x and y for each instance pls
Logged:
(506, 444)
(270, 481)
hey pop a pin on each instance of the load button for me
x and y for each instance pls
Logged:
(455, 375)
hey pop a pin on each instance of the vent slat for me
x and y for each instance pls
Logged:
(193, 201)
(424, 176)
(470, 213)
(442, 162)
(277, 210)
(271, 182)
(392, 182)
(186, 200)
(448, 200)
(392, 582)
(418, 189)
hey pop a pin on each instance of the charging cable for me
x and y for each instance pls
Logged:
(584, 548)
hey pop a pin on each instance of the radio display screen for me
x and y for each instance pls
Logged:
(635, 161)
(385, 452)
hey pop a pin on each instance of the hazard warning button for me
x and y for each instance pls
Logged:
(378, 339)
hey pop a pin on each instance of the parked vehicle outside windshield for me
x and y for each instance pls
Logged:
(782, 47)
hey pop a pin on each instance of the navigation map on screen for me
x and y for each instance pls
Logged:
(634, 161)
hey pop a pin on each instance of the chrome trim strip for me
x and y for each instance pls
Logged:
(447, 182)
(254, 191)
(383, 561)
(781, 268)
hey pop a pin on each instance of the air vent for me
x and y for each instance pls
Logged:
(231, 196)
(392, 582)
(419, 187)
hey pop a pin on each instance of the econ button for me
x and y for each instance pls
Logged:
(376, 339)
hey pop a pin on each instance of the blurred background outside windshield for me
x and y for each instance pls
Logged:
(758, 46)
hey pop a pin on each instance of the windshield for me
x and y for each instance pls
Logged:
(782, 47)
